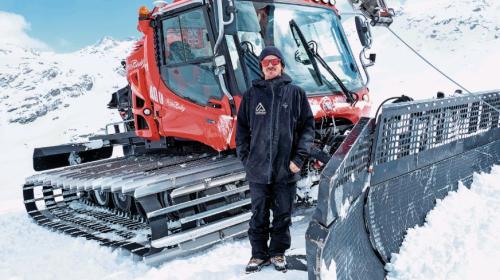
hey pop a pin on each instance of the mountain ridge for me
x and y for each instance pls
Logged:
(34, 83)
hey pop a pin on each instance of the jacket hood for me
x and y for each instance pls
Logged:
(283, 79)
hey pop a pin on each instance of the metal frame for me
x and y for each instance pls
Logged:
(420, 151)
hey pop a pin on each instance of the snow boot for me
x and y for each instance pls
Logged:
(255, 265)
(279, 263)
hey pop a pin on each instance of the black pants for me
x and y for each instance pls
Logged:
(279, 198)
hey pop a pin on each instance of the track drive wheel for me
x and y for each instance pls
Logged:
(100, 197)
(122, 202)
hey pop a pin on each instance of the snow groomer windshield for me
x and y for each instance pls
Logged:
(289, 27)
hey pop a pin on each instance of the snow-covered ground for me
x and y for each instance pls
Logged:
(458, 242)
(28, 251)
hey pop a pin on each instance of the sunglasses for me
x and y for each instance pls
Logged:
(273, 61)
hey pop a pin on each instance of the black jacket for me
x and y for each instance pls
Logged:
(275, 126)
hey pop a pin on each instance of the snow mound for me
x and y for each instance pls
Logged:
(459, 239)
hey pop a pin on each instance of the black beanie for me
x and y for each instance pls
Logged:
(271, 50)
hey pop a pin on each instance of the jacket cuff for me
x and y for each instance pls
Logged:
(298, 161)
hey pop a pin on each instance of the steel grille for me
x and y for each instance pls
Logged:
(410, 129)
(357, 160)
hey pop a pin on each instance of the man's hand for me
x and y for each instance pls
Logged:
(294, 168)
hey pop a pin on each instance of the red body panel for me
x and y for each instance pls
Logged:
(337, 106)
(173, 116)
(137, 77)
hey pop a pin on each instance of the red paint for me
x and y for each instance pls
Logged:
(174, 116)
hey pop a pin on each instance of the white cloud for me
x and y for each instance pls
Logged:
(13, 30)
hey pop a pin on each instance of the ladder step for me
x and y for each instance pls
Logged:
(178, 238)
(215, 211)
(194, 202)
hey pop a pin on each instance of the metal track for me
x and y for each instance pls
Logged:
(206, 201)
(67, 214)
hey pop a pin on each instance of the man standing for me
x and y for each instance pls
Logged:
(274, 134)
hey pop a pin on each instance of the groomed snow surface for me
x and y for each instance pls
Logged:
(28, 251)
(459, 239)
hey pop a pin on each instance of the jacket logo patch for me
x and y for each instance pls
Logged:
(260, 110)
(285, 105)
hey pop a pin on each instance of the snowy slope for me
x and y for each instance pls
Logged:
(459, 37)
(45, 99)
(33, 83)
(48, 98)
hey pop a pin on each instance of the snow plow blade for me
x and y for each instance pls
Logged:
(58, 156)
(97, 148)
(388, 174)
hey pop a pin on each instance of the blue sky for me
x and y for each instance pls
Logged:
(72, 24)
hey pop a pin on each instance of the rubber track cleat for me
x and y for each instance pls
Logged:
(255, 265)
(279, 263)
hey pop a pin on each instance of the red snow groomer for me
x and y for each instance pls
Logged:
(178, 186)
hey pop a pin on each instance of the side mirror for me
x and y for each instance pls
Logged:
(364, 32)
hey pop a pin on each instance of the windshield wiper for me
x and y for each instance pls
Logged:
(301, 41)
(349, 94)
(312, 53)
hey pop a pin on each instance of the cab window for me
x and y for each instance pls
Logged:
(187, 68)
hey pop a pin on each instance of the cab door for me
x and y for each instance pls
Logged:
(194, 106)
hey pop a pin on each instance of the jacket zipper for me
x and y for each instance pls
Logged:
(271, 138)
